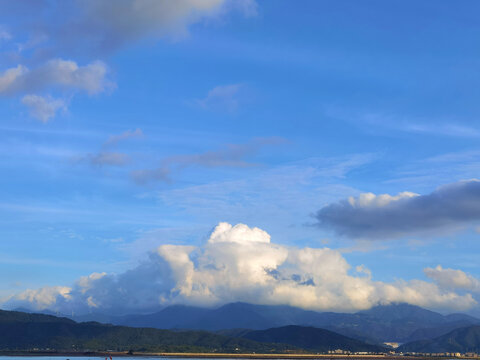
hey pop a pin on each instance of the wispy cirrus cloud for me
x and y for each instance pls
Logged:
(437, 170)
(231, 155)
(404, 123)
(4, 34)
(222, 97)
(371, 216)
(107, 156)
(128, 134)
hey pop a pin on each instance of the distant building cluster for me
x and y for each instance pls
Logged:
(443, 354)
(419, 354)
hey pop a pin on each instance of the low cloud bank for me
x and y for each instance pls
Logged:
(453, 279)
(238, 263)
(371, 216)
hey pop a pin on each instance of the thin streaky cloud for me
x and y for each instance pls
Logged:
(405, 123)
(222, 97)
(128, 134)
(230, 155)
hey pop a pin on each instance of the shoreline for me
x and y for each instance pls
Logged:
(216, 355)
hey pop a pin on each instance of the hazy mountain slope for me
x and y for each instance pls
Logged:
(459, 340)
(397, 322)
(310, 338)
(172, 317)
(21, 331)
(434, 332)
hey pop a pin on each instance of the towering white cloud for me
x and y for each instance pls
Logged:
(239, 263)
(371, 216)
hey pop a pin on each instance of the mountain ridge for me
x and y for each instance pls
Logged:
(465, 339)
(25, 332)
(310, 338)
(393, 323)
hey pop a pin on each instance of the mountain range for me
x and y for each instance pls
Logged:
(385, 323)
(25, 331)
(310, 338)
(246, 327)
(466, 339)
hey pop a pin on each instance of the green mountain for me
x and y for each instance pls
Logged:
(310, 338)
(461, 340)
(22, 331)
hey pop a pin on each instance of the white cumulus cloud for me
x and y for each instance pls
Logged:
(239, 263)
(453, 278)
(45, 297)
(59, 75)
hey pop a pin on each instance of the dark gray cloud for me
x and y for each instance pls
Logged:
(372, 216)
(96, 27)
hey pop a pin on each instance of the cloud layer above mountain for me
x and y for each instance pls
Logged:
(239, 263)
(453, 279)
(371, 216)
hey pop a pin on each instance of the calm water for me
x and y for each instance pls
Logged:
(93, 358)
(89, 358)
(126, 358)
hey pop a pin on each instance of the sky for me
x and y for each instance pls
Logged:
(320, 154)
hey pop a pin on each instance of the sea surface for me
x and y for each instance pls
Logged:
(63, 357)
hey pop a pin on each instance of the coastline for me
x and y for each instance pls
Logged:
(214, 355)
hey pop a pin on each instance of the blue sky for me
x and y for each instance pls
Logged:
(127, 129)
